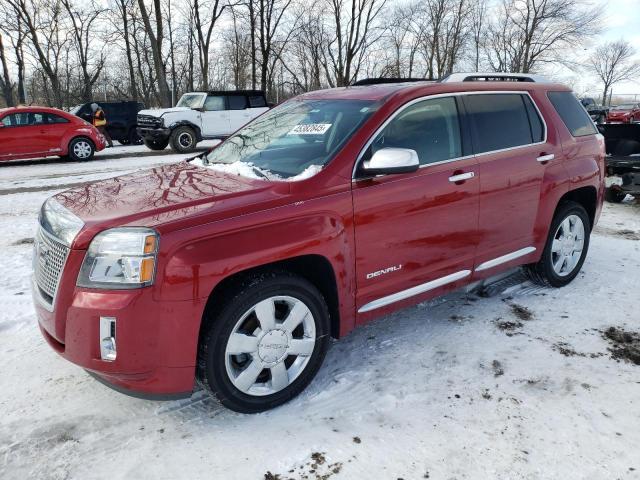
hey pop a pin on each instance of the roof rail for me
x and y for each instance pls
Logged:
(493, 77)
(375, 81)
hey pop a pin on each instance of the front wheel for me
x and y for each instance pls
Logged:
(566, 247)
(156, 144)
(183, 139)
(265, 344)
(81, 149)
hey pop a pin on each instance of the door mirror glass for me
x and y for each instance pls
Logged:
(392, 160)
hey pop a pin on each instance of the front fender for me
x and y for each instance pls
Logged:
(198, 260)
(186, 123)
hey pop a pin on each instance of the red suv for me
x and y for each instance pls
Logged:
(34, 132)
(234, 269)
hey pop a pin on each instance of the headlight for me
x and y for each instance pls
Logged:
(120, 258)
(59, 221)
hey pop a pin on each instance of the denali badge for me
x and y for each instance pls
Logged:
(395, 268)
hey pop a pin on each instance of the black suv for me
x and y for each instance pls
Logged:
(121, 119)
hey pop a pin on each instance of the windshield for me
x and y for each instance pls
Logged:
(191, 100)
(292, 141)
(625, 106)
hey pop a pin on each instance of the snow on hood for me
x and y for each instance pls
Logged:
(158, 112)
(251, 171)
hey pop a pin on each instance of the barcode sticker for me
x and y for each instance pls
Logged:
(310, 129)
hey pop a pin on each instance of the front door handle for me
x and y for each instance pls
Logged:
(546, 158)
(461, 177)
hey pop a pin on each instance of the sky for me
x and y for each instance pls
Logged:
(622, 20)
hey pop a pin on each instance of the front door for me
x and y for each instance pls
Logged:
(511, 144)
(215, 117)
(20, 136)
(416, 232)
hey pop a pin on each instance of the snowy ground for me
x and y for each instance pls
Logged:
(515, 383)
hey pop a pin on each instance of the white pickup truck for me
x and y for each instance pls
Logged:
(199, 116)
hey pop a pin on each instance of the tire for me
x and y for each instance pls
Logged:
(134, 138)
(614, 194)
(81, 149)
(124, 141)
(627, 147)
(183, 139)
(156, 144)
(260, 372)
(544, 272)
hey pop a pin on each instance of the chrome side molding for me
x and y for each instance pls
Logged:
(410, 292)
(505, 258)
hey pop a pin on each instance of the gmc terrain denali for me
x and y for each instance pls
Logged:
(337, 206)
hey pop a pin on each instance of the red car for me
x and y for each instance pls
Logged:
(338, 206)
(35, 132)
(625, 113)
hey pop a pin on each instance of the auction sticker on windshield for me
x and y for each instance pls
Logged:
(310, 129)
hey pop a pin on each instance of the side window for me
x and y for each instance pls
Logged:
(498, 121)
(36, 118)
(214, 103)
(53, 118)
(574, 116)
(13, 120)
(237, 102)
(430, 127)
(257, 101)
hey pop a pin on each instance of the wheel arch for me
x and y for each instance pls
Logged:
(587, 197)
(187, 123)
(315, 268)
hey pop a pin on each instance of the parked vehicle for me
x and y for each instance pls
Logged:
(598, 113)
(335, 207)
(625, 113)
(199, 116)
(622, 143)
(34, 132)
(121, 119)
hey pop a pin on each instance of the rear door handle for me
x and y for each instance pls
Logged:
(545, 158)
(461, 177)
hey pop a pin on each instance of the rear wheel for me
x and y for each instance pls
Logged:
(81, 149)
(566, 247)
(156, 144)
(183, 139)
(265, 344)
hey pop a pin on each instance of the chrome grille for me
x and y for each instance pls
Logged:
(149, 121)
(49, 258)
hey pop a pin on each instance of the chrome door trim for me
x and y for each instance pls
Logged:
(462, 177)
(504, 258)
(410, 292)
(452, 94)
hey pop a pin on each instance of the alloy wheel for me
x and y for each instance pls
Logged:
(567, 245)
(270, 345)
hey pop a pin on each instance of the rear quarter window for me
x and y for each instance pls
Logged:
(573, 115)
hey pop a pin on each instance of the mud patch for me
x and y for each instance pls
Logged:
(316, 468)
(625, 345)
(23, 241)
(509, 327)
(568, 351)
(523, 313)
(498, 370)
(624, 233)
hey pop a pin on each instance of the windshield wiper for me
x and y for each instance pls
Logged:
(256, 170)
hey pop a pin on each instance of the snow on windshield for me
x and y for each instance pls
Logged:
(251, 171)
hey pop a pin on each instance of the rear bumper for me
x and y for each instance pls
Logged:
(156, 341)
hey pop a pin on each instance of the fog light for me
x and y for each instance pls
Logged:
(108, 338)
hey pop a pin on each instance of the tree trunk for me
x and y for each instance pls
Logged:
(7, 87)
(156, 50)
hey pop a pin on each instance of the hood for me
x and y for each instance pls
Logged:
(171, 194)
(158, 112)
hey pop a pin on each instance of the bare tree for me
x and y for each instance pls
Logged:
(6, 86)
(123, 8)
(613, 62)
(527, 33)
(354, 31)
(156, 38)
(206, 14)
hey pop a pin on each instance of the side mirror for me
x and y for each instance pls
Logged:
(392, 160)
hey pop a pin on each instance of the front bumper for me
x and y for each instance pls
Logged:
(154, 133)
(156, 341)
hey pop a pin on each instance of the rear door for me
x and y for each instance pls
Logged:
(239, 113)
(416, 232)
(215, 117)
(513, 149)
